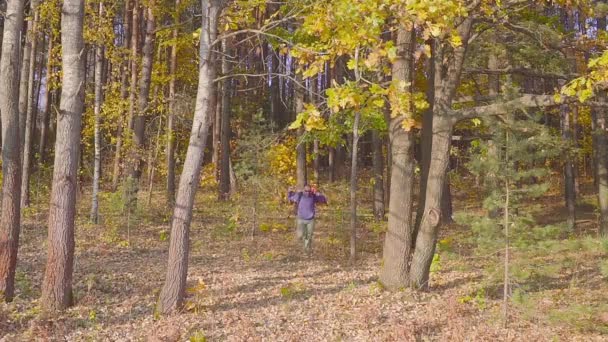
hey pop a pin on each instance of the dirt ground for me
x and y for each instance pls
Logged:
(261, 289)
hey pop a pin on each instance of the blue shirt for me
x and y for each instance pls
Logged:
(306, 203)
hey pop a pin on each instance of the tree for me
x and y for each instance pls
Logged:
(124, 92)
(57, 284)
(173, 291)
(29, 116)
(11, 162)
(172, 108)
(398, 241)
(97, 129)
(225, 132)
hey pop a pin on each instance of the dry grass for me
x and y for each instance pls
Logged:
(243, 289)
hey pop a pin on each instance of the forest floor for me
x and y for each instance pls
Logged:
(263, 288)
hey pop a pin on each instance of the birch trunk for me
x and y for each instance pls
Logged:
(97, 133)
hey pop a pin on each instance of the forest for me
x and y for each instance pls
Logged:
(304, 170)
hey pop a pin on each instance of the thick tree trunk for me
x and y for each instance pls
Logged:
(353, 189)
(11, 162)
(44, 128)
(97, 130)
(427, 234)
(569, 189)
(172, 109)
(378, 167)
(29, 114)
(224, 185)
(57, 285)
(446, 80)
(124, 93)
(172, 294)
(398, 239)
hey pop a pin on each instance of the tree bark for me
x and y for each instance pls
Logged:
(601, 164)
(353, 189)
(124, 93)
(24, 77)
(139, 120)
(97, 130)
(29, 116)
(600, 117)
(172, 294)
(447, 77)
(378, 167)
(130, 191)
(398, 239)
(569, 189)
(11, 162)
(172, 110)
(57, 284)
(44, 129)
(301, 174)
(224, 185)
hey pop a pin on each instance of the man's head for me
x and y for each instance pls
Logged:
(307, 189)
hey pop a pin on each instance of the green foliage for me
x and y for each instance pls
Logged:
(198, 336)
(292, 290)
(582, 317)
(515, 160)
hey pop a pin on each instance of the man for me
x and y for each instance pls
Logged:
(305, 201)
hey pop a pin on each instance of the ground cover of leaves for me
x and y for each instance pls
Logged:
(264, 289)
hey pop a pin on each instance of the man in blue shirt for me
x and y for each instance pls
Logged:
(305, 201)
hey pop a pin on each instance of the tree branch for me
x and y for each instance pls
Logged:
(521, 71)
(524, 101)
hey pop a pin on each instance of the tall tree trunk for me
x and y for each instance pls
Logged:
(29, 116)
(124, 93)
(130, 191)
(172, 294)
(601, 164)
(378, 167)
(301, 175)
(224, 185)
(569, 191)
(57, 285)
(575, 145)
(139, 120)
(23, 83)
(172, 110)
(277, 108)
(97, 132)
(44, 129)
(447, 78)
(11, 162)
(398, 239)
(353, 189)
(600, 117)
